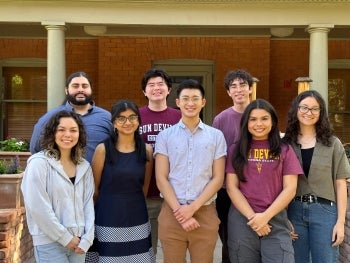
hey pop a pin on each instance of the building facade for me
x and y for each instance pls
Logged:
(115, 42)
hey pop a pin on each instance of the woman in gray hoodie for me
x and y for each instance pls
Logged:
(58, 188)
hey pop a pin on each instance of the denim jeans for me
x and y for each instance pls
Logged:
(55, 252)
(314, 223)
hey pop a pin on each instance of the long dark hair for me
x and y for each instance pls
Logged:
(76, 75)
(323, 127)
(242, 149)
(48, 143)
(117, 108)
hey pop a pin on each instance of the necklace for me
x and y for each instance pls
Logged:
(259, 166)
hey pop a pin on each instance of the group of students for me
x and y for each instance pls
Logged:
(157, 172)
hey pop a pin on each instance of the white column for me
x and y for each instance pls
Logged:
(318, 60)
(56, 63)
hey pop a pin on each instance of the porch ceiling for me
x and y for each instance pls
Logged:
(24, 18)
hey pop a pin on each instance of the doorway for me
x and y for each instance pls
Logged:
(200, 70)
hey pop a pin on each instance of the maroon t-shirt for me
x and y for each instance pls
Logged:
(152, 122)
(264, 176)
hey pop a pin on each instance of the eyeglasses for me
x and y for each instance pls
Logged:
(123, 119)
(187, 99)
(304, 109)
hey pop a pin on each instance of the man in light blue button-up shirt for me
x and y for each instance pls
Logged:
(190, 166)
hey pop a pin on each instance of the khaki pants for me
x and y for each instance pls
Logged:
(200, 242)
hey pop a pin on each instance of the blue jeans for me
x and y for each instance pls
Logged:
(55, 252)
(314, 223)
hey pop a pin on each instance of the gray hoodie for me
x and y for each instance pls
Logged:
(57, 209)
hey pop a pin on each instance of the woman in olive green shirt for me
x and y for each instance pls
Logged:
(318, 210)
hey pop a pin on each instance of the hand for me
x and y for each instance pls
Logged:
(293, 235)
(78, 250)
(264, 231)
(73, 244)
(183, 213)
(258, 221)
(190, 224)
(338, 234)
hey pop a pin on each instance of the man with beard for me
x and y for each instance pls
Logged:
(97, 121)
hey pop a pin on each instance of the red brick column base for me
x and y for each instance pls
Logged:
(15, 241)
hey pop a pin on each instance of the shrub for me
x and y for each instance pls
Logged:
(14, 145)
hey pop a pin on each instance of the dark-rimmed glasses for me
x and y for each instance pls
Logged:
(304, 109)
(123, 119)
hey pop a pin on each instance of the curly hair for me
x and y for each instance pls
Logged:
(237, 74)
(48, 144)
(323, 127)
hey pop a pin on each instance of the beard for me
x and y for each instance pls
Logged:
(72, 99)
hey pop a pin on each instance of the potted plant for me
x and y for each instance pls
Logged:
(10, 181)
(11, 147)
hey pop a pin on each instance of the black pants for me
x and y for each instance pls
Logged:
(223, 203)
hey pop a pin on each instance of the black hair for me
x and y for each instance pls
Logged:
(242, 149)
(153, 73)
(190, 84)
(237, 74)
(117, 108)
(323, 127)
(76, 75)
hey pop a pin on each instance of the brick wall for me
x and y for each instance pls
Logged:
(15, 241)
(344, 256)
(116, 64)
(123, 60)
(289, 60)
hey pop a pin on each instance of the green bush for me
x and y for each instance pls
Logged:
(14, 145)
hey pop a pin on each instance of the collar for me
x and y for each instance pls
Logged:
(68, 106)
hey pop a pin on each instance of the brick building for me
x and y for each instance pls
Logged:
(115, 42)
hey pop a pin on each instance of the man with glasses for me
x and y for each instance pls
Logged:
(190, 163)
(155, 117)
(238, 84)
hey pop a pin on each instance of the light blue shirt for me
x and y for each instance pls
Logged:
(191, 156)
(98, 127)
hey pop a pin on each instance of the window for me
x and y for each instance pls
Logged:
(339, 102)
(24, 100)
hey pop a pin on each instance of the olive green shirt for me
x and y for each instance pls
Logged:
(328, 164)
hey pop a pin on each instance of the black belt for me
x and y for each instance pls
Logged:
(314, 199)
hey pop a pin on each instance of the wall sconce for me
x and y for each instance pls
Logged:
(303, 84)
(281, 31)
(252, 95)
